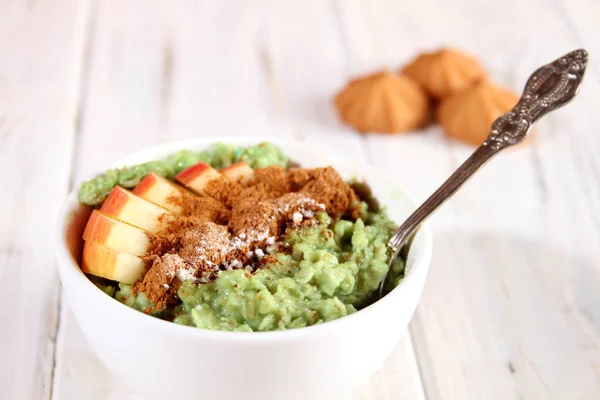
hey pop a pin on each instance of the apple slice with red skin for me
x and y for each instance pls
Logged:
(100, 260)
(122, 205)
(238, 172)
(163, 192)
(202, 179)
(116, 235)
(198, 176)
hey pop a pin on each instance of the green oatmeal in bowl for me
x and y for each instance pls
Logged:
(236, 238)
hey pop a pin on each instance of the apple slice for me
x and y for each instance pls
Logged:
(238, 172)
(103, 261)
(116, 235)
(123, 205)
(197, 177)
(201, 178)
(163, 192)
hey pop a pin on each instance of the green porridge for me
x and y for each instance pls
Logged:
(314, 273)
(95, 191)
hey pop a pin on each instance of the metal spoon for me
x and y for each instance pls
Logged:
(548, 88)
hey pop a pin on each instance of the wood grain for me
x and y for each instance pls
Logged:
(505, 303)
(510, 309)
(39, 83)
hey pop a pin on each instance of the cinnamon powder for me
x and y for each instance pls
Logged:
(223, 190)
(206, 243)
(232, 227)
(326, 186)
(275, 177)
(201, 208)
(159, 283)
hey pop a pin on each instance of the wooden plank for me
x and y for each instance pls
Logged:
(167, 72)
(40, 45)
(509, 301)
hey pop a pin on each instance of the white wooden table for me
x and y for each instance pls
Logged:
(511, 308)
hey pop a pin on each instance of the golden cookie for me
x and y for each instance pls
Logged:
(444, 72)
(383, 102)
(468, 115)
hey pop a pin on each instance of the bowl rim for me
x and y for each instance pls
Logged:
(69, 270)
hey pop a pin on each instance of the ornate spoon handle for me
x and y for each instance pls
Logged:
(548, 88)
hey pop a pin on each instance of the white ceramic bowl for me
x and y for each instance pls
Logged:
(160, 359)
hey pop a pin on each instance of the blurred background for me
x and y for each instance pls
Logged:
(511, 307)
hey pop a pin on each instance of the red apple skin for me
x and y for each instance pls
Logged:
(98, 227)
(102, 261)
(163, 192)
(197, 177)
(145, 184)
(116, 200)
(116, 235)
(189, 174)
(124, 206)
(238, 172)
